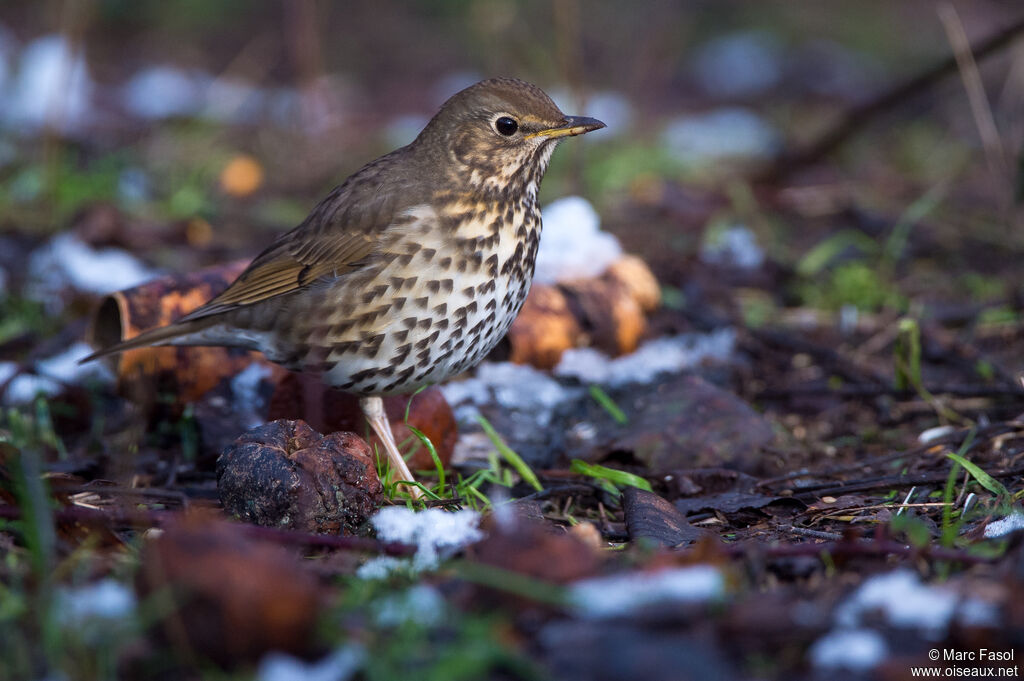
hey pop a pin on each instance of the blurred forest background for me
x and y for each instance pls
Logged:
(144, 104)
(837, 186)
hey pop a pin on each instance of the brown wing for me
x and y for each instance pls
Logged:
(336, 238)
(288, 265)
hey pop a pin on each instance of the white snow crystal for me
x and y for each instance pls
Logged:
(735, 246)
(1004, 526)
(739, 64)
(382, 567)
(436, 534)
(622, 594)
(106, 599)
(731, 132)
(26, 387)
(245, 388)
(64, 366)
(573, 246)
(857, 650)
(661, 355)
(66, 261)
(158, 92)
(340, 665)
(513, 386)
(52, 87)
(420, 604)
(904, 600)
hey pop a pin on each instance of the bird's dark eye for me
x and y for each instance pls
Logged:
(506, 126)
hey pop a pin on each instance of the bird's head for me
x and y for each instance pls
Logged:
(498, 135)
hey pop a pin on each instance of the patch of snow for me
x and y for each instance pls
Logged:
(339, 665)
(52, 87)
(974, 612)
(659, 356)
(106, 599)
(856, 650)
(513, 386)
(232, 100)
(25, 388)
(739, 65)
(67, 262)
(420, 604)
(246, 389)
(51, 374)
(622, 594)
(904, 600)
(573, 247)
(730, 132)
(383, 567)
(735, 246)
(436, 534)
(159, 92)
(1000, 528)
(64, 366)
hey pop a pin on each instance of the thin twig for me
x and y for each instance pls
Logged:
(857, 117)
(995, 152)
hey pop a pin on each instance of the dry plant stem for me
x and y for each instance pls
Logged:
(851, 122)
(995, 153)
(373, 407)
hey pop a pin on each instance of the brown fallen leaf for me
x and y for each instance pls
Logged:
(232, 599)
(650, 518)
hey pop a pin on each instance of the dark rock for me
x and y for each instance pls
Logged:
(285, 474)
(689, 422)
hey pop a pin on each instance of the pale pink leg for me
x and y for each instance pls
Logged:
(373, 408)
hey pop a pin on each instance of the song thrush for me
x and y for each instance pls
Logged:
(412, 269)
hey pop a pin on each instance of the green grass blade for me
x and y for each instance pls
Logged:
(602, 398)
(513, 459)
(610, 474)
(983, 478)
(433, 454)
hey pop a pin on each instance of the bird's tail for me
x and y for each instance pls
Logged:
(164, 335)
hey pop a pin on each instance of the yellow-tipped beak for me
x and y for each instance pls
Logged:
(573, 125)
